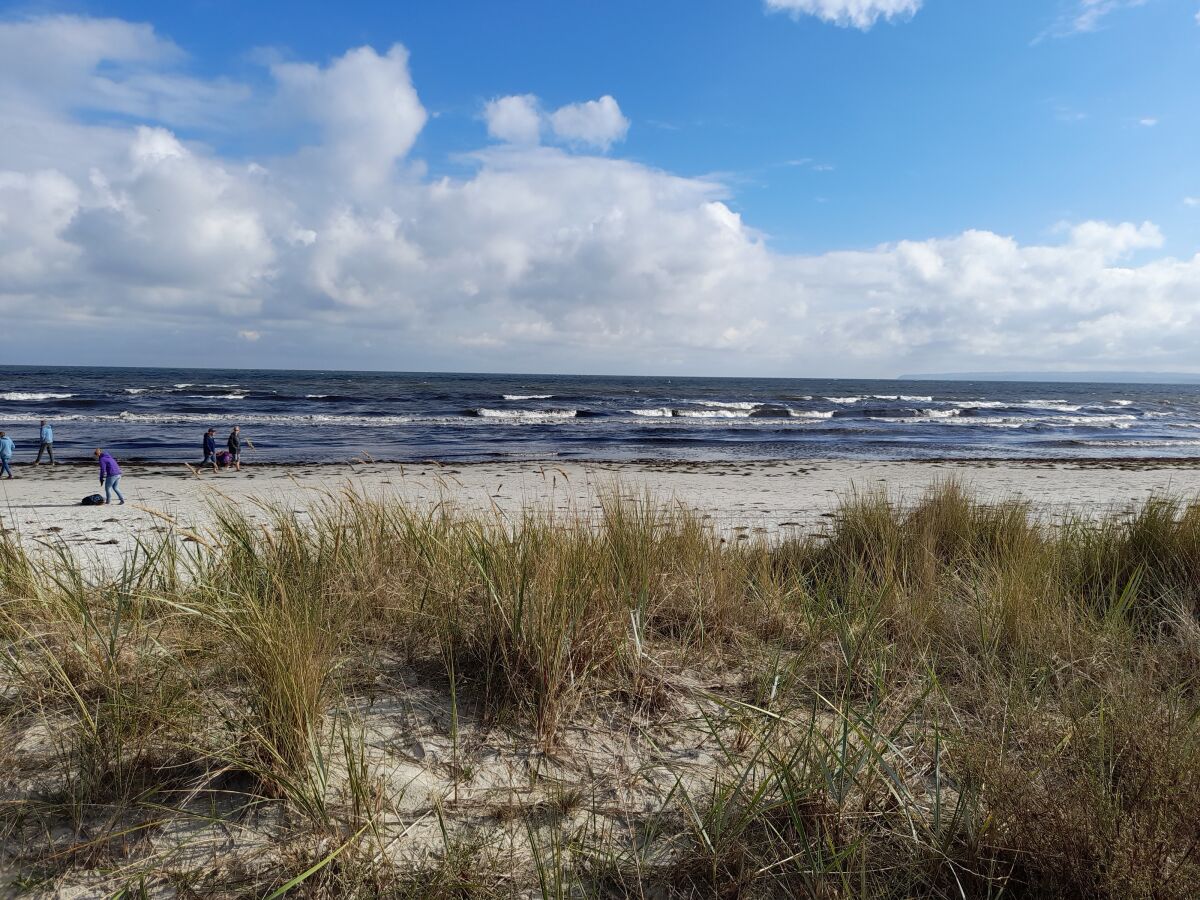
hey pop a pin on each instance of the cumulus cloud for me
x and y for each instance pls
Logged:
(516, 119)
(366, 106)
(553, 257)
(848, 13)
(597, 123)
(519, 119)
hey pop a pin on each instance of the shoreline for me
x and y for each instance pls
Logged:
(767, 499)
(1137, 462)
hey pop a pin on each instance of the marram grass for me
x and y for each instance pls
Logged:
(945, 699)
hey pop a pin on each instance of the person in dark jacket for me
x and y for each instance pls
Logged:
(235, 446)
(110, 476)
(210, 449)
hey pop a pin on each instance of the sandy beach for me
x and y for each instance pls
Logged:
(764, 498)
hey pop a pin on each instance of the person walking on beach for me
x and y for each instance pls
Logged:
(235, 447)
(45, 443)
(6, 451)
(210, 449)
(110, 476)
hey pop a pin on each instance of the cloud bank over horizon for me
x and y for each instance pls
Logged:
(120, 226)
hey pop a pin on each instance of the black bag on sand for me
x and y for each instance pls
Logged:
(93, 500)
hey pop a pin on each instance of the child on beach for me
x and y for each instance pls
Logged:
(6, 451)
(110, 476)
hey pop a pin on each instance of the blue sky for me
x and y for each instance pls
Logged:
(859, 166)
(958, 118)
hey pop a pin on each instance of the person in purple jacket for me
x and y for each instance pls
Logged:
(110, 476)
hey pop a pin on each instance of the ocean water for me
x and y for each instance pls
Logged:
(161, 414)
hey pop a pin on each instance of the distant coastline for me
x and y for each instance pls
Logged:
(1061, 377)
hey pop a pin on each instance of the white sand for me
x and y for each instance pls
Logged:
(754, 497)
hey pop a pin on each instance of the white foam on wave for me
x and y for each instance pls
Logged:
(1117, 401)
(713, 413)
(24, 396)
(1053, 405)
(1098, 421)
(938, 413)
(809, 414)
(216, 396)
(527, 414)
(907, 398)
(527, 396)
(726, 404)
(249, 419)
(954, 417)
(666, 412)
(316, 396)
(980, 404)
(1166, 442)
(843, 399)
(920, 415)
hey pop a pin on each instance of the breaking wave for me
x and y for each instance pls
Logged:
(527, 414)
(23, 396)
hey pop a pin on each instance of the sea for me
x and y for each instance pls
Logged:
(159, 415)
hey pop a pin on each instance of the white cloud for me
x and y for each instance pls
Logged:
(595, 123)
(1191, 201)
(848, 13)
(367, 108)
(516, 119)
(1083, 16)
(1148, 122)
(519, 119)
(543, 257)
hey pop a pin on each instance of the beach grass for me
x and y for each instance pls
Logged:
(942, 698)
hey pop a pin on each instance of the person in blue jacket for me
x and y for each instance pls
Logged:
(45, 442)
(6, 451)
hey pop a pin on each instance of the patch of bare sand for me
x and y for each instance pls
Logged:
(739, 498)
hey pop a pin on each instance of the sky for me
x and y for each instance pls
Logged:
(854, 188)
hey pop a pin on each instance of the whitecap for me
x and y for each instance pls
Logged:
(527, 396)
(22, 396)
(712, 413)
(725, 404)
(530, 414)
(843, 399)
(938, 413)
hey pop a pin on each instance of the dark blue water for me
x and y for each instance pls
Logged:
(160, 415)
